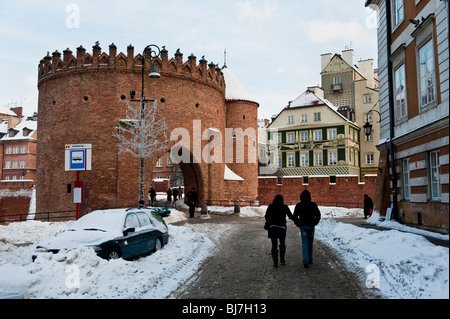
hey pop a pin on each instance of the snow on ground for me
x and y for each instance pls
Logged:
(397, 264)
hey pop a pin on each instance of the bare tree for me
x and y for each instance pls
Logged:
(141, 134)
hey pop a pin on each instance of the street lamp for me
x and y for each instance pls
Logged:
(154, 51)
(368, 127)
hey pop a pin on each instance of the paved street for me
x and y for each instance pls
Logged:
(243, 268)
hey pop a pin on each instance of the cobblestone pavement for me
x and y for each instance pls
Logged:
(243, 268)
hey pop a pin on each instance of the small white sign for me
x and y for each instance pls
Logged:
(77, 195)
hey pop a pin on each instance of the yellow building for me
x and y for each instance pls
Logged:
(353, 89)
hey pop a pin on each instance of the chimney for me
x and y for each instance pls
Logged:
(347, 55)
(325, 58)
(317, 91)
(17, 110)
(366, 69)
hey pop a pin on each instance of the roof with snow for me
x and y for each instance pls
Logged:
(26, 125)
(234, 91)
(7, 111)
(310, 99)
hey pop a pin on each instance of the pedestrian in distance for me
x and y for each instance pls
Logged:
(169, 195)
(276, 225)
(192, 201)
(175, 194)
(306, 217)
(152, 194)
(368, 206)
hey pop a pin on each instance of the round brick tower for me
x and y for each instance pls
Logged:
(83, 97)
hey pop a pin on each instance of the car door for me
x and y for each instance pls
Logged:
(132, 241)
(149, 234)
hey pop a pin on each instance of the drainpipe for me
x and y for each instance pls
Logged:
(391, 112)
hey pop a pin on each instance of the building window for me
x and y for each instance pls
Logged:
(16, 150)
(169, 161)
(22, 164)
(159, 163)
(367, 98)
(318, 159)
(370, 137)
(332, 134)
(290, 137)
(434, 176)
(305, 180)
(406, 187)
(304, 118)
(400, 92)
(290, 119)
(427, 74)
(8, 164)
(304, 158)
(23, 149)
(318, 135)
(397, 11)
(304, 136)
(291, 160)
(9, 150)
(369, 159)
(277, 161)
(332, 158)
(317, 117)
(277, 138)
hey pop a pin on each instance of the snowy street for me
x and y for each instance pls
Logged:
(395, 263)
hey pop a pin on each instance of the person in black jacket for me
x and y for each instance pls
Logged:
(192, 198)
(276, 219)
(368, 206)
(306, 216)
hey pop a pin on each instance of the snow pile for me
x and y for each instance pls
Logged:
(82, 274)
(397, 264)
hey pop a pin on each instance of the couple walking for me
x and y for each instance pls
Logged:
(306, 216)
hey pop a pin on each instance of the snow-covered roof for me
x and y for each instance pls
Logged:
(31, 125)
(7, 111)
(230, 175)
(310, 99)
(234, 91)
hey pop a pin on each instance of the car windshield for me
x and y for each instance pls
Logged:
(100, 220)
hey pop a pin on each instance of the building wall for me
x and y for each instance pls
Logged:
(425, 129)
(346, 192)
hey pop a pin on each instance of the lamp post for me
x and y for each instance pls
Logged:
(154, 51)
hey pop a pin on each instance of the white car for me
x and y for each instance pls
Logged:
(113, 233)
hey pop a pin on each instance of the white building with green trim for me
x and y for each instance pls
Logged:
(310, 137)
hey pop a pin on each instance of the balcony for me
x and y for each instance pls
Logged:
(336, 87)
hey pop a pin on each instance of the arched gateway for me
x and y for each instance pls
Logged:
(82, 98)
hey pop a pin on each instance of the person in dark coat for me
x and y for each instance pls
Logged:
(175, 194)
(169, 195)
(152, 194)
(306, 217)
(276, 220)
(192, 201)
(368, 206)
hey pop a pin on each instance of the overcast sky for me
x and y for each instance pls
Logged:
(273, 46)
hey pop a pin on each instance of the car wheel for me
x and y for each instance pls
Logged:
(114, 253)
(158, 244)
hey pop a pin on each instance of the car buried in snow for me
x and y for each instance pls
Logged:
(112, 233)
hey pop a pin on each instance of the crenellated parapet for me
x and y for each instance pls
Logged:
(58, 65)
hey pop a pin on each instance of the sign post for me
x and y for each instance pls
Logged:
(78, 157)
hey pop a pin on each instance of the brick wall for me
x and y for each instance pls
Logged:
(15, 200)
(346, 192)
